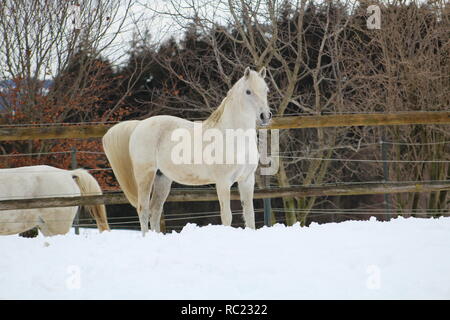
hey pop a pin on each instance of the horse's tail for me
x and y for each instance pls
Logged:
(89, 186)
(116, 145)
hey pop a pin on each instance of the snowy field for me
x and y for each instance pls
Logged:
(404, 258)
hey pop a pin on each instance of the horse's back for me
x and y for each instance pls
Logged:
(165, 123)
(36, 181)
(155, 133)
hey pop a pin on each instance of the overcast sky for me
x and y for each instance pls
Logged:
(148, 14)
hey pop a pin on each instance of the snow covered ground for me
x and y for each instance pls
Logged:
(404, 258)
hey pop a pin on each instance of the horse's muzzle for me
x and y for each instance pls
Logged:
(265, 118)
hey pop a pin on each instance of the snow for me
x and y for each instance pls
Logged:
(400, 259)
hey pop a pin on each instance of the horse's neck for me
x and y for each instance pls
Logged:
(236, 119)
(233, 117)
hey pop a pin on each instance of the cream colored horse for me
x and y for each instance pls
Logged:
(46, 181)
(141, 154)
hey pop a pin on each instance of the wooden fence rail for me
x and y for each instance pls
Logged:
(210, 195)
(291, 122)
(288, 122)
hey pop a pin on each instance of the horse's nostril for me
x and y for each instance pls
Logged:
(266, 115)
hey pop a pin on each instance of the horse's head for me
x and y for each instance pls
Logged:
(254, 92)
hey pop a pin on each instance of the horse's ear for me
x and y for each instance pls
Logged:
(247, 72)
(263, 72)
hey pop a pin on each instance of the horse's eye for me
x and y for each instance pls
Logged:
(249, 92)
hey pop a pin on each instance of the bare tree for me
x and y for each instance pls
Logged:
(56, 60)
(413, 73)
(40, 38)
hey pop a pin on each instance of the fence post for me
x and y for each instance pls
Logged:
(387, 199)
(263, 136)
(74, 165)
(267, 212)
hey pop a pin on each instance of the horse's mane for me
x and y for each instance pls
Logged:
(215, 116)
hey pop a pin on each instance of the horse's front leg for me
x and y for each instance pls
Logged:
(223, 192)
(246, 188)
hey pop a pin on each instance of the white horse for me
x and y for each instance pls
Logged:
(46, 181)
(141, 154)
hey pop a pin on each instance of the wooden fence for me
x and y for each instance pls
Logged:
(210, 195)
(289, 122)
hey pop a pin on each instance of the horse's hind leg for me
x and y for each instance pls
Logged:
(144, 176)
(44, 228)
(57, 221)
(161, 190)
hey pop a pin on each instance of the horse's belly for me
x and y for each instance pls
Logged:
(17, 221)
(186, 174)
